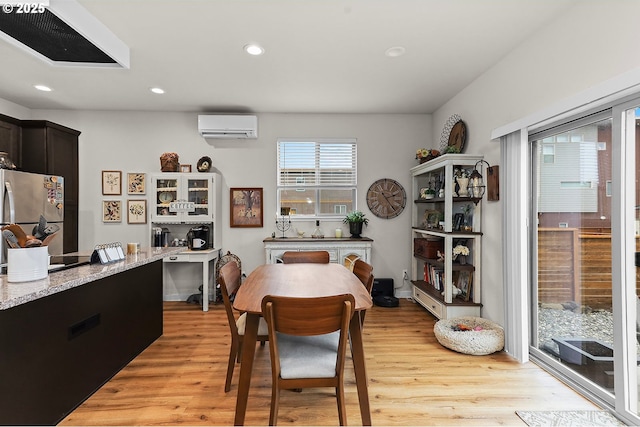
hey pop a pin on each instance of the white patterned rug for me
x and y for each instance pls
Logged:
(568, 418)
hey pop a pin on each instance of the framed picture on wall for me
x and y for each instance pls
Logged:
(246, 207)
(111, 183)
(112, 211)
(136, 183)
(136, 211)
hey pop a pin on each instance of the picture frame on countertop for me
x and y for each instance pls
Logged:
(246, 207)
(136, 211)
(112, 211)
(185, 168)
(111, 183)
(136, 183)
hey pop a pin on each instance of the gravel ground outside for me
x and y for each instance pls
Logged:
(563, 323)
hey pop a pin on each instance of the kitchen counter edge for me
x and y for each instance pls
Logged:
(13, 294)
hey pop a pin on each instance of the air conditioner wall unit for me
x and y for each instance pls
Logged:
(227, 126)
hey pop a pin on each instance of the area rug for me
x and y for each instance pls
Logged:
(568, 418)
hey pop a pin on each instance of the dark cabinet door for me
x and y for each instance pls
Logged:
(53, 149)
(10, 140)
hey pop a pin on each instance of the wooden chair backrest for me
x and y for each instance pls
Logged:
(229, 283)
(308, 316)
(364, 271)
(315, 257)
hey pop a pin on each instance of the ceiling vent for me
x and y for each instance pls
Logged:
(224, 126)
(63, 33)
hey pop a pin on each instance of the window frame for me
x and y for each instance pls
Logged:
(318, 189)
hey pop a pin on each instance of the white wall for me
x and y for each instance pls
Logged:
(11, 109)
(133, 141)
(593, 42)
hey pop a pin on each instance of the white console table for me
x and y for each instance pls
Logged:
(204, 257)
(343, 250)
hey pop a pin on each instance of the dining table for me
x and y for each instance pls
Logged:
(308, 281)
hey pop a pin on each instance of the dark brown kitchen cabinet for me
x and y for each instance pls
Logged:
(52, 149)
(10, 132)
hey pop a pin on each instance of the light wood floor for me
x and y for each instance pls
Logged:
(179, 380)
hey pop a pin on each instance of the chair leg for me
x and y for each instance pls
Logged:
(342, 411)
(233, 354)
(275, 402)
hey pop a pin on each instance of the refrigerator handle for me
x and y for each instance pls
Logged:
(12, 205)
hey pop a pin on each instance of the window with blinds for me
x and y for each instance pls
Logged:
(317, 178)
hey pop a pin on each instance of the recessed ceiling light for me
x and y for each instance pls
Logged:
(394, 52)
(254, 49)
(157, 90)
(43, 88)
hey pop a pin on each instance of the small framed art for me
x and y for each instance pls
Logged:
(111, 211)
(246, 207)
(185, 168)
(111, 183)
(136, 183)
(464, 283)
(136, 211)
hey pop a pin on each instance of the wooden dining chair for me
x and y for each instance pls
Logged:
(315, 257)
(364, 271)
(308, 341)
(230, 279)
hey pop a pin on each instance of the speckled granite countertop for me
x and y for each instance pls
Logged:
(13, 294)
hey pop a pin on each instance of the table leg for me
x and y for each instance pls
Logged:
(357, 353)
(246, 366)
(205, 285)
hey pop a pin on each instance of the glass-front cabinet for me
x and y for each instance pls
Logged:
(183, 197)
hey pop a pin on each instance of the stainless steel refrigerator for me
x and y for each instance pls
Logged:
(25, 196)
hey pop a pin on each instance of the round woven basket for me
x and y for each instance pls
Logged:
(485, 341)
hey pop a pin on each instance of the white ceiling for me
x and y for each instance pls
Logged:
(322, 56)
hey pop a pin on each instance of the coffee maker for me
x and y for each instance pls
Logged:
(198, 238)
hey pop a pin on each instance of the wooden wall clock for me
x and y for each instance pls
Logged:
(386, 198)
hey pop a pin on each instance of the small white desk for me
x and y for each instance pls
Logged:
(204, 257)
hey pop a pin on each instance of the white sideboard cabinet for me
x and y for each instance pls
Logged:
(343, 250)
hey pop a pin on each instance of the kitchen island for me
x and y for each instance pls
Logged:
(63, 337)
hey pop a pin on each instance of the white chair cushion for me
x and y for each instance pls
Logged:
(308, 357)
(241, 323)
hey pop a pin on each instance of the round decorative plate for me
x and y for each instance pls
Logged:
(204, 164)
(165, 197)
(446, 131)
(458, 136)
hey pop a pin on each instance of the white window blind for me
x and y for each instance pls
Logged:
(316, 163)
(316, 176)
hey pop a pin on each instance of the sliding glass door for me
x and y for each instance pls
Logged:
(584, 284)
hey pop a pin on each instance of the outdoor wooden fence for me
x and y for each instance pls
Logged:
(575, 265)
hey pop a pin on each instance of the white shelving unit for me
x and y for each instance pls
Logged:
(433, 219)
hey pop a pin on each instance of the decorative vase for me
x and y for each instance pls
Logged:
(462, 259)
(355, 228)
(463, 184)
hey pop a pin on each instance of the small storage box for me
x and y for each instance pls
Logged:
(427, 248)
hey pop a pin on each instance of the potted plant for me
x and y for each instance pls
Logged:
(355, 220)
(427, 193)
